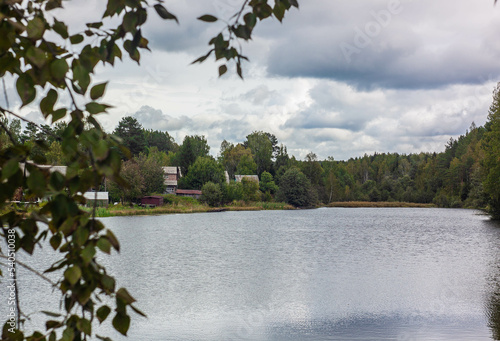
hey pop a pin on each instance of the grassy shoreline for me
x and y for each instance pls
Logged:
(119, 210)
(187, 205)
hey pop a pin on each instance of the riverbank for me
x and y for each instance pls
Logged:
(188, 207)
(195, 207)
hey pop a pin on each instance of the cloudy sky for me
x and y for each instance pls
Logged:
(339, 78)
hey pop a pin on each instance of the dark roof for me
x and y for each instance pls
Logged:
(153, 196)
(188, 191)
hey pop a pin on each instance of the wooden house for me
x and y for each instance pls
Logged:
(172, 175)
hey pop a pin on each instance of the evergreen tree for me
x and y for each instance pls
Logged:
(132, 135)
(192, 147)
(491, 162)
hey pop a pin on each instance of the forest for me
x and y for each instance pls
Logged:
(466, 174)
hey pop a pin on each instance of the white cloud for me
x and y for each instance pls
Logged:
(423, 78)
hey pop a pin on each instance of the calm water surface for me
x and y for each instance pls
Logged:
(325, 274)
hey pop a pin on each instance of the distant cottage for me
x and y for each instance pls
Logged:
(172, 175)
(101, 198)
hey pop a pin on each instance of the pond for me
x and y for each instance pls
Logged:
(324, 274)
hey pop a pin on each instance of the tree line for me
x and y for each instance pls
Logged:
(466, 174)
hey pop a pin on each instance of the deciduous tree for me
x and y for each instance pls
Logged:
(295, 189)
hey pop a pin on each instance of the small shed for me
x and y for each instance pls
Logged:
(152, 200)
(102, 198)
(193, 193)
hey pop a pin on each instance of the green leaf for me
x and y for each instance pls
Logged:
(202, 58)
(108, 283)
(102, 313)
(130, 22)
(51, 4)
(279, 10)
(81, 235)
(88, 254)
(52, 324)
(57, 181)
(250, 20)
(121, 322)
(36, 182)
(26, 88)
(96, 108)
(10, 168)
(73, 274)
(164, 14)
(124, 295)
(36, 57)
(103, 338)
(113, 240)
(100, 150)
(104, 245)
(98, 90)
(243, 32)
(263, 10)
(68, 334)
(84, 326)
(17, 335)
(238, 70)
(97, 24)
(81, 75)
(76, 39)
(59, 68)
(35, 28)
(47, 104)
(208, 18)
(222, 70)
(55, 241)
(60, 28)
(138, 311)
(58, 114)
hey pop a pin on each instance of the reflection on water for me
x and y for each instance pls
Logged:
(493, 302)
(326, 274)
(493, 311)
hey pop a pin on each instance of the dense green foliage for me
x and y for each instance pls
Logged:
(295, 189)
(204, 169)
(212, 194)
(192, 147)
(464, 175)
(491, 161)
